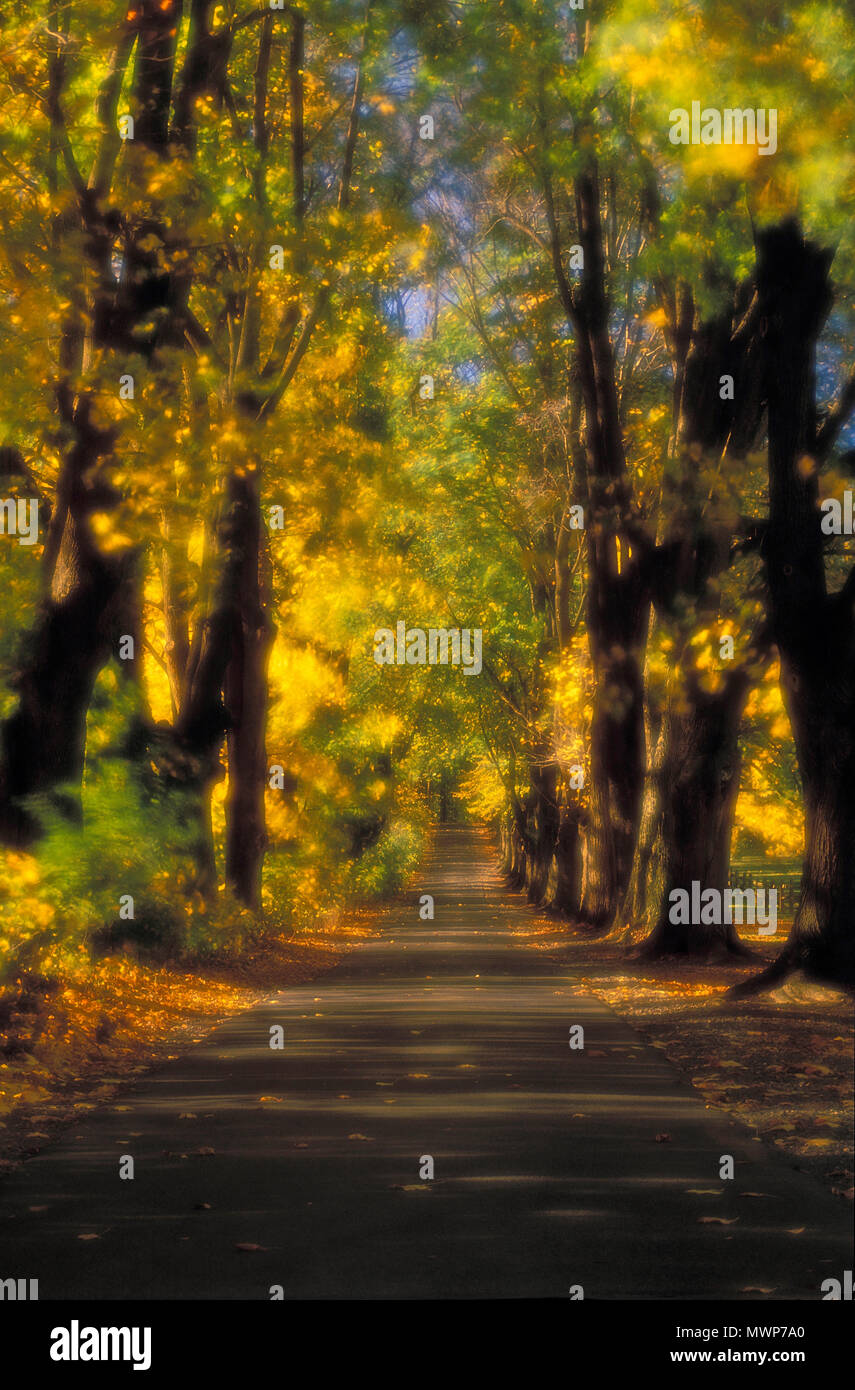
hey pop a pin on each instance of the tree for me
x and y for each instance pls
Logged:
(814, 629)
(210, 324)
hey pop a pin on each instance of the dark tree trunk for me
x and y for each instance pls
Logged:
(541, 829)
(246, 701)
(644, 896)
(158, 23)
(815, 632)
(616, 606)
(513, 845)
(42, 744)
(616, 765)
(692, 738)
(699, 791)
(89, 595)
(445, 798)
(616, 599)
(564, 881)
(175, 622)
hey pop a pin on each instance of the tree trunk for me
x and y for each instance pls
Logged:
(246, 701)
(564, 881)
(89, 594)
(642, 905)
(616, 600)
(616, 609)
(542, 829)
(815, 632)
(700, 788)
(617, 771)
(175, 623)
(692, 780)
(513, 863)
(42, 744)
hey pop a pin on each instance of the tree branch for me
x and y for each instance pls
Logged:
(829, 432)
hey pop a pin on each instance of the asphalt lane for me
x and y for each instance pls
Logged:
(259, 1170)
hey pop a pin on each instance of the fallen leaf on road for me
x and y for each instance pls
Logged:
(797, 1231)
(361, 1136)
(187, 1115)
(270, 1100)
(717, 1220)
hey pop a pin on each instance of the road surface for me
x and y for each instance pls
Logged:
(446, 1039)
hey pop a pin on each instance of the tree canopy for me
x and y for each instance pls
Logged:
(327, 317)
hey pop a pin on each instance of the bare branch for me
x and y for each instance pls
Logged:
(828, 434)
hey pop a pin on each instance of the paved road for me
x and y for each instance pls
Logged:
(442, 1038)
